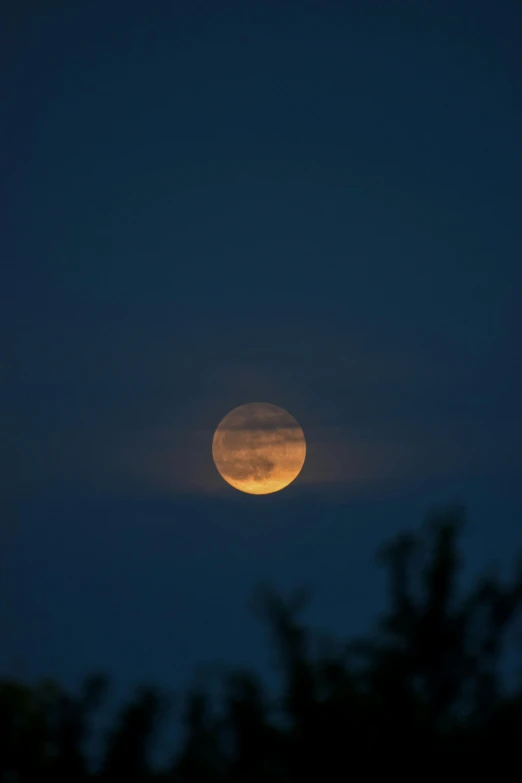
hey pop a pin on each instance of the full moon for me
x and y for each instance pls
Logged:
(259, 448)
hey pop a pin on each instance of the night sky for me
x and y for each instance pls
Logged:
(315, 204)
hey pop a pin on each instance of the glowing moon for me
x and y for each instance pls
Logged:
(259, 448)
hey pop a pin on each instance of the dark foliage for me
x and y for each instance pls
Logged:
(425, 695)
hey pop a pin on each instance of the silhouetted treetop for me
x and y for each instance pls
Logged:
(423, 694)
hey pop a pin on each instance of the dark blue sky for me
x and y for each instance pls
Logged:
(314, 204)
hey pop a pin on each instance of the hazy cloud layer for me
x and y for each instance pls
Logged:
(260, 416)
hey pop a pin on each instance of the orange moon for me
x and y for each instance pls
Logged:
(259, 448)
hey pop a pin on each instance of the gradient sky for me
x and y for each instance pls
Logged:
(311, 203)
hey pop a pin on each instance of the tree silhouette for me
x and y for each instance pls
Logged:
(424, 693)
(43, 729)
(129, 744)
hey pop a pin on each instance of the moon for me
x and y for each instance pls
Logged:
(259, 448)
